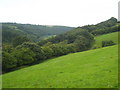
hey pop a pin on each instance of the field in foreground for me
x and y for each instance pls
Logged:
(89, 69)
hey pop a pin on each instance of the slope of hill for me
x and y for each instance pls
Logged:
(35, 31)
(106, 37)
(102, 25)
(89, 69)
(108, 26)
(38, 32)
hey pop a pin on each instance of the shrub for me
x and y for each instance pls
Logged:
(24, 56)
(39, 53)
(19, 40)
(48, 52)
(107, 43)
(8, 61)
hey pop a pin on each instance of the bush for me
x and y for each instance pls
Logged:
(48, 52)
(8, 61)
(7, 48)
(24, 56)
(107, 43)
(39, 53)
(19, 40)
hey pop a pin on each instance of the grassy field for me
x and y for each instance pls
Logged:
(106, 37)
(89, 69)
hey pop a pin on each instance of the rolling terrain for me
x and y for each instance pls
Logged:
(89, 69)
(33, 32)
(65, 59)
(106, 37)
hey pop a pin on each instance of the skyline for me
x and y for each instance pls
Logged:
(58, 12)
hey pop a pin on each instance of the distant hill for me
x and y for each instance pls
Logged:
(105, 27)
(36, 32)
(102, 25)
(40, 32)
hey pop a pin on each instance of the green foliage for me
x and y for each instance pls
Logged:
(80, 39)
(81, 43)
(33, 32)
(48, 52)
(39, 54)
(106, 37)
(25, 52)
(70, 37)
(19, 40)
(95, 29)
(9, 35)
(24, 56)
(107, 43)
(96, 68)
(69, 42)
(115, 28)
(39, 32)
(71, 48)
(8, 61)
(105, 27)
(7, 48)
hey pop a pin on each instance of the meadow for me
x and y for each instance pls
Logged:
(106, 37)
(97, 68)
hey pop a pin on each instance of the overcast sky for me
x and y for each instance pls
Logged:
(58, 12)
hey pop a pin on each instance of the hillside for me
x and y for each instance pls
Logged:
(37, 32)
(59, 65)
(89, 69)
(105, 27)
(102, 25)
(106, 37)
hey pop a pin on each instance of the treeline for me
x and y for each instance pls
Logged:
(115, 28)
(30, 53)
(107, 26)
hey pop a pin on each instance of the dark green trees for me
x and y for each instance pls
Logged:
(81, 43)
(24, 56)
(19, 40)
(8, 61)
(36, 49)
(48, 52)
(107, 43)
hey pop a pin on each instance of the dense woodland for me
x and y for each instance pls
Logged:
(33, 32)
(23, 44)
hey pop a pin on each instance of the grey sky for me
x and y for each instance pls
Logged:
(58, 12)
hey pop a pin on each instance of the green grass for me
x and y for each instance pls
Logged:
(106, 37)
(89, 69)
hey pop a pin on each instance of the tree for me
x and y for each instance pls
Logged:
(107, 43)
(36, 49)
(7, 48)
(82, 43)
(19, 40)
(48, 52)
(8, 61)
(24, 56)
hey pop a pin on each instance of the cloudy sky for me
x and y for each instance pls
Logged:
(58, 12)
